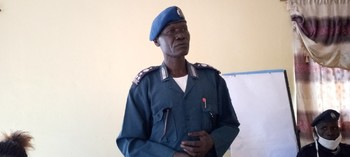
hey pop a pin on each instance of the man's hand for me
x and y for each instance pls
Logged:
(198, 148)
(179, 154)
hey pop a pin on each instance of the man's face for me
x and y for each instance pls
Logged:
(174, 40)
(328, 130)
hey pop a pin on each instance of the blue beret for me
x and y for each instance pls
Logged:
(171, 14)
(326, 116)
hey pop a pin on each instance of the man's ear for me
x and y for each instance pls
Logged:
(156, 42)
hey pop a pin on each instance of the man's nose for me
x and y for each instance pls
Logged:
(332, 133)
(180, 35)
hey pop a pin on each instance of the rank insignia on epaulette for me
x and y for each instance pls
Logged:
(202, 65)
(142, 73)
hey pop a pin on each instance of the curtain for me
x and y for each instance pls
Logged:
(321, 47)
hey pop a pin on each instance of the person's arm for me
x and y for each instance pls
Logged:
(133, 140)
(227, 129)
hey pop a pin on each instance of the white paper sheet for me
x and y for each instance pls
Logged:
(262, 103)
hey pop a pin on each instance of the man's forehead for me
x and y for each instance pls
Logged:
(327, 123)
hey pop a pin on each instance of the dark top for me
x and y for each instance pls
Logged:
(310, 151)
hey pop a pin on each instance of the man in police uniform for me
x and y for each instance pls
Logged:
(327, 138)
(177, 109)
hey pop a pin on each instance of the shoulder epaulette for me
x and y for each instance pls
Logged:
(142, 73)
(205, 66)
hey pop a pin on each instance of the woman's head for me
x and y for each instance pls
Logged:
(15, 144)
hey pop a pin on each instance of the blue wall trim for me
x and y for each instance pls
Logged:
(255, 72)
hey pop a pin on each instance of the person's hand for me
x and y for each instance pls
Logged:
(198, 148)
(179, 154)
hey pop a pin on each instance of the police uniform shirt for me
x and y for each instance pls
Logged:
(159, 114)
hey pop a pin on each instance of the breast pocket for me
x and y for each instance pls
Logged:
(210, 114)
(164, 129)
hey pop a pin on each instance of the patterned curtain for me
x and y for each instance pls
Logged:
(321, 30)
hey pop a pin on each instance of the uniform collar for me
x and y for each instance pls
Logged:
(164, 74)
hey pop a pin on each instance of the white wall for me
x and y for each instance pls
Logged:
(66, 66)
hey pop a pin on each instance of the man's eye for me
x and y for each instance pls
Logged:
(171, 31)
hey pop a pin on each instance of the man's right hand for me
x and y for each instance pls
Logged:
(180, 154)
